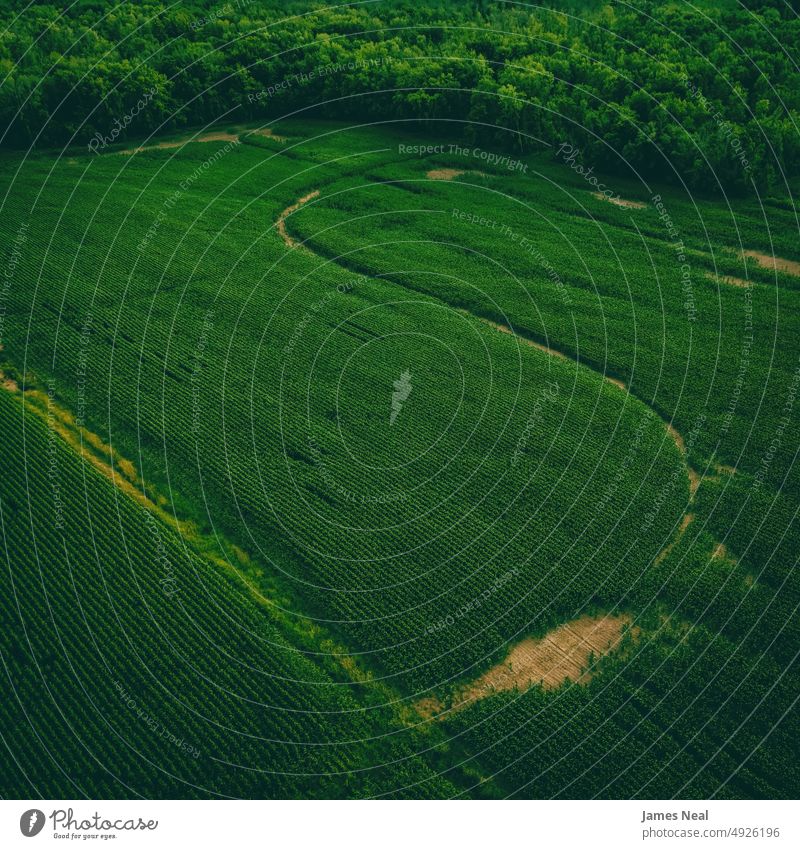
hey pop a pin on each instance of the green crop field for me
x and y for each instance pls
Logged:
(367, 455)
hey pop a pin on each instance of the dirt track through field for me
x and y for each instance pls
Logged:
(266, 132)
(614, 381)
(216, 135)
(618, 201)
(687, 520)
(504, 328)
(692, 475)
(280, 224)
(166, 145)
(774, 263)
(729, 280)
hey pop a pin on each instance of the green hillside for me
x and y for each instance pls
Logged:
(229, 322)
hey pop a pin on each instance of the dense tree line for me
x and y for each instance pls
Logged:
(694, 93)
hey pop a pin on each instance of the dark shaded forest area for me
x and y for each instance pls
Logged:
(703, 95)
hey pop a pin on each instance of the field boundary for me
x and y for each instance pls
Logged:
(694, 478)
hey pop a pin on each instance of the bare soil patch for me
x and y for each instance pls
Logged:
(618, 201)
(720, 471)
(729, 280)
(444, 174)
(551, 351)
(266, 131)
(429, 707)
(567, 653)
(687, 520)
(563, 654)
(694, 477)
(217, 136)
(85, 442)
(164, 145)
(775, 263)
(676, 438)
(281, 222)
(8, 383)
(721, 552)
(220, 135)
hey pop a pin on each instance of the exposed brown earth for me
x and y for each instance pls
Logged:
(721, 552)
(729, 280)
(164, 145)
(429, 707)
(444, 174)
(266, 131)
(552, 351)
(677, 438)
(618, 201)
(280, 224)
(8, 383)
(720, 471)
(504, 328)
(694, 478)
(774, 263)
(217, 136)
(687, 520)
(567, 653)
(160, 146)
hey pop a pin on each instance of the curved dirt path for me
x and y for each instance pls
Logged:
(618, 201)
(211, 136)
(217, 135)
(691, 473)
(694, 477)
(280, 224)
